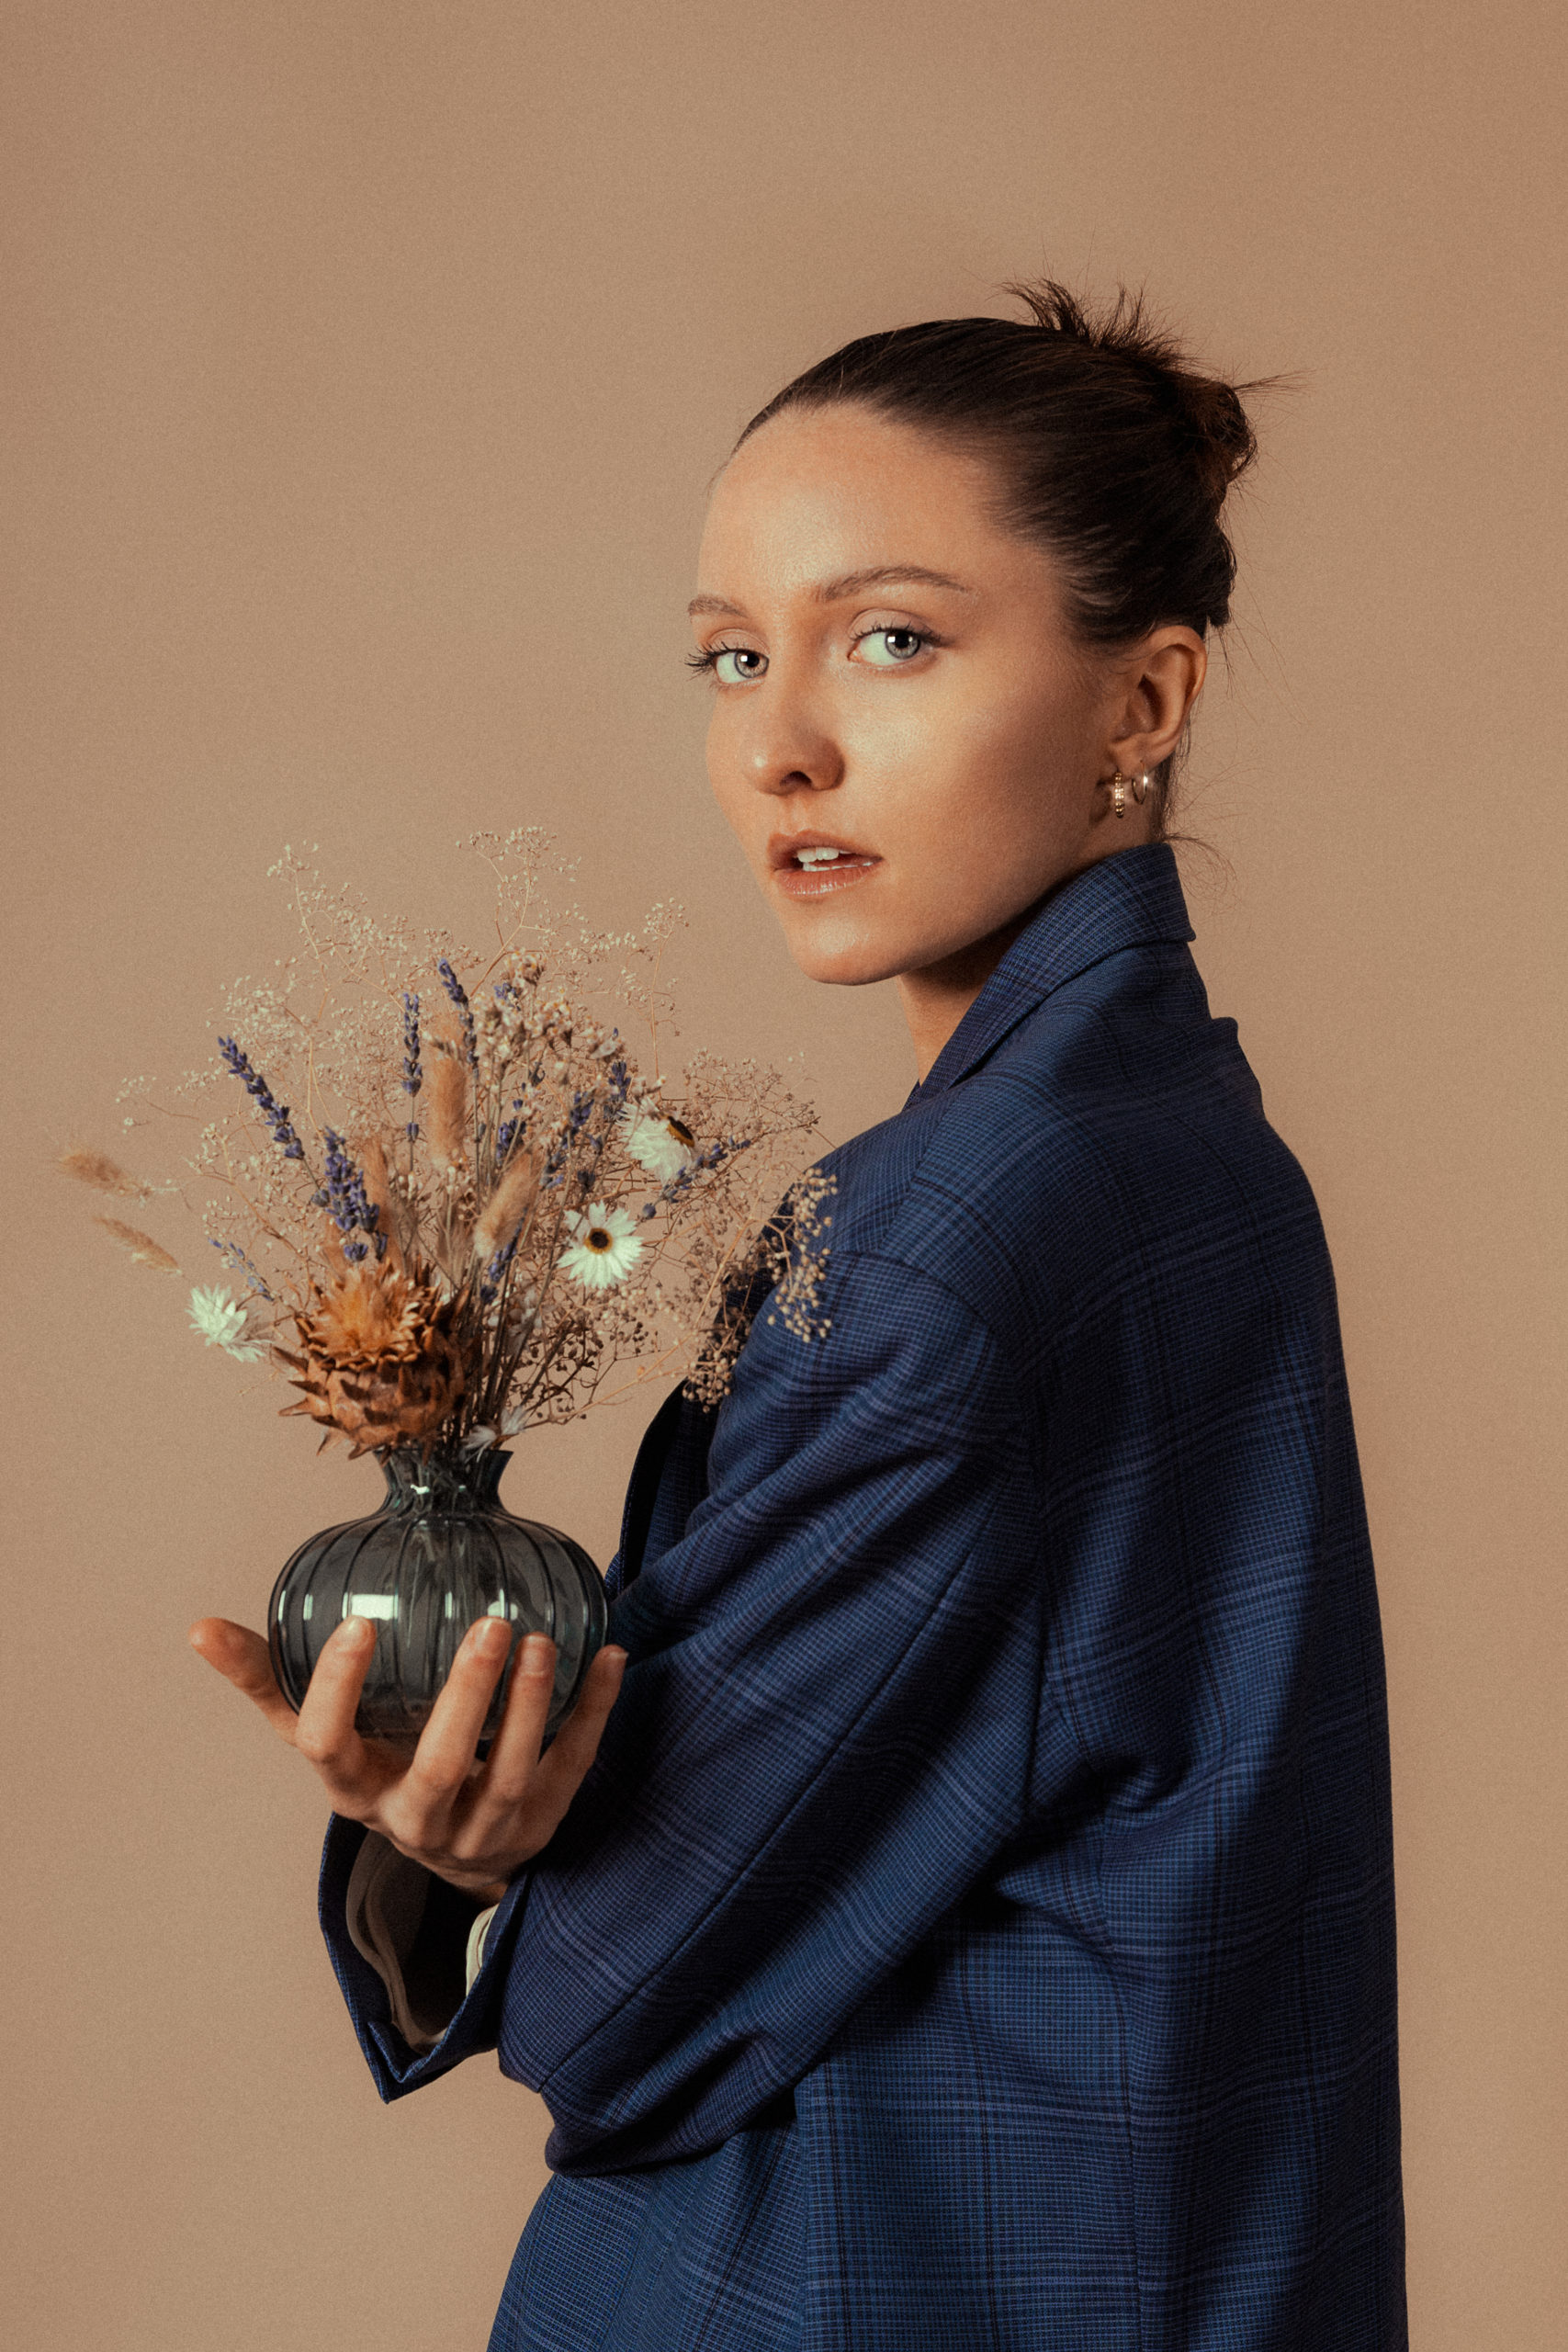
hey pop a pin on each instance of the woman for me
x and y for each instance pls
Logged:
(972, 1926)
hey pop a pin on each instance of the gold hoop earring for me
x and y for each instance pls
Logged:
(1119, 784)
(1141, 788)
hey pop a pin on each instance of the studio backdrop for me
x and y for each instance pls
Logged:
(366, 365)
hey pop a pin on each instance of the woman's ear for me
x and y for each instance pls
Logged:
(1157, 685)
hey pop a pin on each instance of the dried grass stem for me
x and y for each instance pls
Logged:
(106, 1175)
(142, 1246)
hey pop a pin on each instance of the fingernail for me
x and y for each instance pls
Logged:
(491, 1636)
(537, 1654)
(356, 1632)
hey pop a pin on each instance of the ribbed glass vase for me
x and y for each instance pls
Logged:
(441, 1552)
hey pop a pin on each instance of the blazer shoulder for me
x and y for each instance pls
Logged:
(1115, 1134)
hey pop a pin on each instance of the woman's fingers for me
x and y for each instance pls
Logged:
(515, 1805)
(444, 1759)
(503, 1813)
(242, 1657)
(572, 1750)
(514, 1757)
(323, 1730)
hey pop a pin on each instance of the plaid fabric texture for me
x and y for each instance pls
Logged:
(976, 1934)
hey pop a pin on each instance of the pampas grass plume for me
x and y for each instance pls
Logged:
(379, 1193)
(142, 1246)
(447, 1122)
(106, 1175)
(506, 1207)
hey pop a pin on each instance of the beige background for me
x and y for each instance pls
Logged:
(367, 363)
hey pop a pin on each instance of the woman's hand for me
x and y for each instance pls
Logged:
(474, 1825)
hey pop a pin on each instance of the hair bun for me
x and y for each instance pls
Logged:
(1224, 443)
(1215, 426)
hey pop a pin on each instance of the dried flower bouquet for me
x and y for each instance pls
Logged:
(458, 1202)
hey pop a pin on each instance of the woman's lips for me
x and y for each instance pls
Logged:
(819, 881)
(813, 865)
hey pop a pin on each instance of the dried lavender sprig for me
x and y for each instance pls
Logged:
(495, 1273)
(235, 1256)
(413, 1075)
(276, 1113)
(345, 1201)
(509, 1130)
(459, 996)
(554, 1173)
(679, 1186)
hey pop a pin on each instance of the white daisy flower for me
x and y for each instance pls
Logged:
(605, 1249)
(665, 1146)
(222, 1323)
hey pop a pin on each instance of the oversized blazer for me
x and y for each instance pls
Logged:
(976, 1932)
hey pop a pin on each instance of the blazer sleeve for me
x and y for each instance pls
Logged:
(824, 1736)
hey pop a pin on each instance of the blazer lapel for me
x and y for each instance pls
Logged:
(669, 1479)
(1126, 900)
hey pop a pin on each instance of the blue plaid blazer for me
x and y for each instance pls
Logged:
(976, 1933)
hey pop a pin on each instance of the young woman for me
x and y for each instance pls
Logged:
(973, 1925)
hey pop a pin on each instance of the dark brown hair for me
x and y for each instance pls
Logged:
(1114, 452)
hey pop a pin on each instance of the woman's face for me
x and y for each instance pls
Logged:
(908, 744)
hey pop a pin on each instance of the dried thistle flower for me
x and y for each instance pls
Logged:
(368, 1312)
(144, 1250)
(379, 1365)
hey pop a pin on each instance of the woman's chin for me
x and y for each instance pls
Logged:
(850, 946)
(842, 962)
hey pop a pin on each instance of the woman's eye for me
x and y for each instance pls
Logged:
(736, 665)
(886, 648)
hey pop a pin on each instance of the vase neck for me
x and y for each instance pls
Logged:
(444, 1481)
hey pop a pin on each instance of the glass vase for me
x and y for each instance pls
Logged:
(441, 1552)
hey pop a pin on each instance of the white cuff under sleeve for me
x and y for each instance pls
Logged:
(475, 1959)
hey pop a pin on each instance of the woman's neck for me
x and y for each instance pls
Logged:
(936, 998)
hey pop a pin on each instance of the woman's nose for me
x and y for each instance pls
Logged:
(785, 748)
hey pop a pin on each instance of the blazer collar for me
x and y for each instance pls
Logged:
(1126, 900)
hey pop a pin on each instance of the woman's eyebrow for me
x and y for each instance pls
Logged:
(851, 583)
(887, 575)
